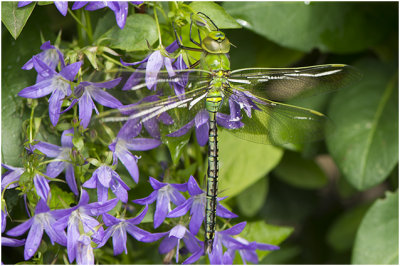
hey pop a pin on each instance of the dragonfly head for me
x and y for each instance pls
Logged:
(216, 43)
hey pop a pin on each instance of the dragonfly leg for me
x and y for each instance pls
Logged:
(181, 46)
(190, 35)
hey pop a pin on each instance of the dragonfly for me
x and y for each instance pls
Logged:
(250, 102)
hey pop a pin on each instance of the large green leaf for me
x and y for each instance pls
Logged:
(343, 231)
(15, 18)
(335, 27)
(138, 29)
(300, 172)
(243, 163)
(365, 141)
(217, 13)
(377, 240)
(251, 200)
(265, 233)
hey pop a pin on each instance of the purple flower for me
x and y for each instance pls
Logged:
(151, 125)
(120, 9)
(84, 254)
(42, 220)
(89, 91)
(62, 6)
(117, 229)
(153, 64)
(80, 217)
(63, 155)
(173, 239)
(12, 175)
(126, 140)
(179, 86)
(104, 178)
(6, 241)
(197, 204)
(52, 82)
(50, 56)
(202, 125)
(246, 249)
(164, 193)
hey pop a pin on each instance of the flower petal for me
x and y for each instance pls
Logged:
(97, 208)
(9, 242)
(55, 168)
(86, 106)
(224, 212)
(69, 72)
(161, 209)
(198, 214)
(41, 186)
(147, 200)
(105, 99)
(183, 130)
(38, 90)
(119, 241)
(62, 6)
(70, 178)
(110, 220)
(129, 161)
(33, 240)
(154, 65)
(139, 217)
(20, 229)
(193, 187)
(49, 149)
(142, 144)
(167, 244)
(55, 103)
(181, 209)
(234, 230)
(66, 138)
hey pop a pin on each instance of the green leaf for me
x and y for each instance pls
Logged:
(175, 146)
(243, 163)
(300, 172)
(15, 18)
(364, 143)
(343, 231)
(251, 200)
(138, 29)
(335, 27)
(265, 233)
(60, 199)
(216, 13)
(377, 240)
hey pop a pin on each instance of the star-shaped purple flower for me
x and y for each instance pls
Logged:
(117, 229)
(197, 204)
(43, 219)
(164, 193)
(104, 178)
(58, 84)
(126, 140)
(63, 154)
(80, 217)
(246, 249)
(153, 64)
(51, 56)
(89, 91)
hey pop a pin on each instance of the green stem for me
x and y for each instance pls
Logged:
(31, 125)
(89, 26)
(158, 26)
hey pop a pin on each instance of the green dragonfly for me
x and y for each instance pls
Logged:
(247, 101)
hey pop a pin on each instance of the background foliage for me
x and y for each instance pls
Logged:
(337, 199)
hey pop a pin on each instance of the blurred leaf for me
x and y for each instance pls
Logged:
(243, 163)
(15, 18)
(175, 146)
(365, 141)
(343, 231)
(60, 199)
(377, 240)
(300, 172)
(282, 256)
(265, 233)
(138, 29)
(216, 13)
(335, 27)
(251, 200)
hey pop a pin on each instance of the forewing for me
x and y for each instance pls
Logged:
(282, 84)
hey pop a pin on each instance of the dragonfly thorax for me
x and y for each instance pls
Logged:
(215, 62)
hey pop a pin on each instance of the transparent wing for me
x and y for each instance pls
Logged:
(277, 123)
(281, 84)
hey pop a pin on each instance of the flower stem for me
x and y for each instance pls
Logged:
(158, 26)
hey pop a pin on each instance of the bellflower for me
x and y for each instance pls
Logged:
(6, 241)
(120, 8)
(173, 239)
(89, 91)
(63, 154)
(151, 125)
(197, 204)
(104, 178)
(62, 6)
(153, 64)
(126, 140)
(164, 193)
(246, 249)
(117, 229)
(12, 175)
(80, 216)
(50, 56)
(52, 82)
(42, 220)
